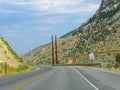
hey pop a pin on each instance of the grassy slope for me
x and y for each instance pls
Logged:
(15, 70)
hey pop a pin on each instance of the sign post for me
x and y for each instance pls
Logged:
(91, 57)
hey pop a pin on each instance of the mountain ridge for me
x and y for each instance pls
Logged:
(100, 33)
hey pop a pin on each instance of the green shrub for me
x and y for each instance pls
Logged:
(104, 64)
(22, 67)
(17, 69)
(117, 65)
(11, 69)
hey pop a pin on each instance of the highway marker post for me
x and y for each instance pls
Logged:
(91, 57)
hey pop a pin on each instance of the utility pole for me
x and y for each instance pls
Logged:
(56, 52)
(5, 68)
(52, 50)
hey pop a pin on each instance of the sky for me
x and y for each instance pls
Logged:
(26, 24)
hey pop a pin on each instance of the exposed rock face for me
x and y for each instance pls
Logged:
(103, 4)
(108, 4)
(7, 54)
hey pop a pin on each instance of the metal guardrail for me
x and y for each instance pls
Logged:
(82, 64)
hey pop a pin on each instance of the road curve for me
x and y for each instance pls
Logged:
(10, 82)
(62, 78)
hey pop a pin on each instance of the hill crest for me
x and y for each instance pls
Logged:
(7, 54)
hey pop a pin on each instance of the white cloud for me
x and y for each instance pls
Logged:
(7, 11)
(79, 20)
(11, 33)
(53, 20)
(55, 6)
(43, 28)
(62, 6)
(10, 30)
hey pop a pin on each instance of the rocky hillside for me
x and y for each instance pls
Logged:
(100, 34)
(7, 54)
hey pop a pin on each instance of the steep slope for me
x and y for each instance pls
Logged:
(105, 18)
(100, 34)
(7, 54)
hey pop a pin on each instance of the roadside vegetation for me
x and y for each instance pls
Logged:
(8, 70)
(110, 65)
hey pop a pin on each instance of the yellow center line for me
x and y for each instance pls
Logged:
(20, 86)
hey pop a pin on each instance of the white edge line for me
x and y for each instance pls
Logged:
(86, 80)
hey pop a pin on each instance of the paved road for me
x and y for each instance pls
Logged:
(102, 78)
(62, 78)
(11, 82)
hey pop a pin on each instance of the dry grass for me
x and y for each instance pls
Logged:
(16, 70)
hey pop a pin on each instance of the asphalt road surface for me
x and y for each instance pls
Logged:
(62, 78)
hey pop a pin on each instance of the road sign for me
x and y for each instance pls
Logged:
(91, 56)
